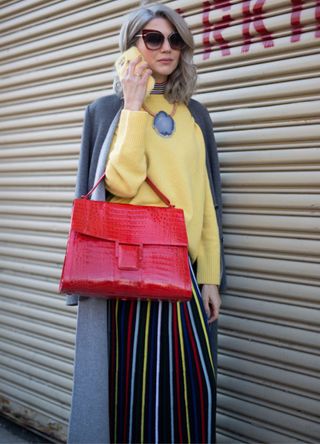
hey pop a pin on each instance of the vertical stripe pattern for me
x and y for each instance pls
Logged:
(162, 379)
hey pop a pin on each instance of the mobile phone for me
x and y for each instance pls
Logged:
(123, 61)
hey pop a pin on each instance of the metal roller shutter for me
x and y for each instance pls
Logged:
(56, 57)
(258, 75)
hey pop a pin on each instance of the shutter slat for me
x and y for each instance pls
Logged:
(258, 75)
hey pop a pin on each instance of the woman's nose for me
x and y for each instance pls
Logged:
(166, 45)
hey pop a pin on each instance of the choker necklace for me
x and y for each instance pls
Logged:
(163, 123)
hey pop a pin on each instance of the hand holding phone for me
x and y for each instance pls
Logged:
(132, 72)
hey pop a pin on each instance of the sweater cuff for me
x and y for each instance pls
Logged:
(208, 266)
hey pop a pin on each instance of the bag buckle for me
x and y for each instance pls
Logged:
(129, 255)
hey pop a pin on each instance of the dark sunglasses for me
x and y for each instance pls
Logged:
(154, 39)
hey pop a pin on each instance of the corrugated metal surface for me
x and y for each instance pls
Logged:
(259, 76)
(56, 57)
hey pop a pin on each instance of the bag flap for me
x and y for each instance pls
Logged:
(131, 224)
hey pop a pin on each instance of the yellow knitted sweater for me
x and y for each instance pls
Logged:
(177, 166)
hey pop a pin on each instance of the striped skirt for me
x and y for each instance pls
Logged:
(162, 378)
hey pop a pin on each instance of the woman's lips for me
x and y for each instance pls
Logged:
(165, 61)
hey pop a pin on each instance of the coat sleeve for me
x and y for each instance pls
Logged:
(83, 174)
(85, 156)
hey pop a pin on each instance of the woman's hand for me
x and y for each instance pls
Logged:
(211, 301)
(134, 84)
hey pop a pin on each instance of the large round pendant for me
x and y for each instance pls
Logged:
(163, 124)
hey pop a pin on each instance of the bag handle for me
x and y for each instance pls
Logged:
(158, 192)
(149, 182)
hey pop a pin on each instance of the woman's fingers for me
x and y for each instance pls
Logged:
(211, 301)
(132, 66)
(205, 299)
(214, 310)
(209, 309)
(141, 69)
(136, 68)
(134, 84)
(147, 73)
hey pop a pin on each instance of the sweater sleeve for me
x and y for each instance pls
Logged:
(126, 167)
(208, 260)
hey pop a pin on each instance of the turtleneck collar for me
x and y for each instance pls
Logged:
(159, 88)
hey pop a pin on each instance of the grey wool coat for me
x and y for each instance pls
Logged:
(89, 419)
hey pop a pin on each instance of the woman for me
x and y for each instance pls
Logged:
(145, 371)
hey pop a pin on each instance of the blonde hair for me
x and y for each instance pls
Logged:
(181, 83)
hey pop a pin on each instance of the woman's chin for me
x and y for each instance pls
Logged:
(162, 74)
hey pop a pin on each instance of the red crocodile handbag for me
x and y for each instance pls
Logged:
(127, 251)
